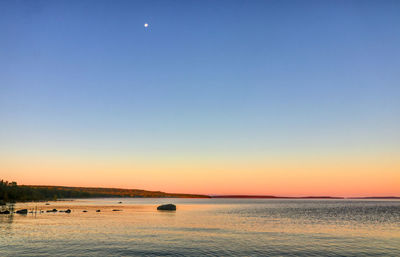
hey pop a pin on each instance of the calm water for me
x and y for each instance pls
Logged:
(205, 227)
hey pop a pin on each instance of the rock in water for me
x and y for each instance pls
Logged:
(68, 211)
(167, 207)
(97, 210)
(5, 212)
(23, 211)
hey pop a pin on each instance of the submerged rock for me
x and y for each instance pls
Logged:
(167, 207)
(22, 211)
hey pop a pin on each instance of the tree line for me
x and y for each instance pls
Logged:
(11, 192)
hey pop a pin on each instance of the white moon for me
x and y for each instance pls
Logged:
(146, 25)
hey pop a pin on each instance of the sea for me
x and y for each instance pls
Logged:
(203, 227)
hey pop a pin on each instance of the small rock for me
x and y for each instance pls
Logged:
(68, 211)
(54, 210)
(116, 210)
(97, 210)
(5, 212)
(167, 207)
(84, 211)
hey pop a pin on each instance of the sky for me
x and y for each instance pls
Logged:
(288, 98)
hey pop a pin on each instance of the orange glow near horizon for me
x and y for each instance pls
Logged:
(343, 176)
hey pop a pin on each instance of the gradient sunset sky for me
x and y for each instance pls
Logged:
(217, 97)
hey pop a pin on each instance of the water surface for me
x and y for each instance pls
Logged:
(204, 227)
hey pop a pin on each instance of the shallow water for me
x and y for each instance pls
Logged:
(205, 227)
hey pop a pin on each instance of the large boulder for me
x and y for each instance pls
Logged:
(167, 207)
(22, 211)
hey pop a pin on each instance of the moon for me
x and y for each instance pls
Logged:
(146, 25)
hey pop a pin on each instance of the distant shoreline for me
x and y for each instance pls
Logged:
(274, 197)
(12, 192)
(100, 192)
(300, 197)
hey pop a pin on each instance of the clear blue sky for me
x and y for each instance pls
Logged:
(206, 77)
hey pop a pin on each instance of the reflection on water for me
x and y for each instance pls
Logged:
(199, 227)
